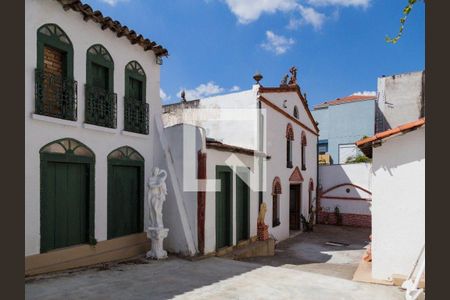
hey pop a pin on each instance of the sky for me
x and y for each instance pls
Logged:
(216, 46)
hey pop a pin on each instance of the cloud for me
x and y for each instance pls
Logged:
(311, 16)
(365, 93)
(164, 97)
(248, 11)
(345, 3)
(277, 44)
(235, 88)
(113, 2)
(202, 91)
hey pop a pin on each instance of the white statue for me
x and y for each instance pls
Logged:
(157, 192)
(156, 196)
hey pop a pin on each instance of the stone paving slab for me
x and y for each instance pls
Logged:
(304, 267)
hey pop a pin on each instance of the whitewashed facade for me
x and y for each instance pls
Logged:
(398, 199)
(397, 238)
(285, 113)
(41, 129)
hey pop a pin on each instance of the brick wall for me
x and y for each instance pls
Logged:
(53, 64)
(347, 219)
(53, 61)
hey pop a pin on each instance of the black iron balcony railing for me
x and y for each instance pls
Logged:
(55, 95)
(101, 107)
(136, 116)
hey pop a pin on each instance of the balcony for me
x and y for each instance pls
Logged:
(136, 116)
(101, 107)
(55, 96)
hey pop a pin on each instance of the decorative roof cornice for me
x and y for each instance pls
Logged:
(291, 88)
(106, 22)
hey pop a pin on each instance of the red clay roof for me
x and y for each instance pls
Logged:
(106, 22)
(400, 129)
(351, 98)
(213, 144)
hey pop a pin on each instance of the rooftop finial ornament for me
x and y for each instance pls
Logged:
(284, 81)
(258, 77)
(293, 71)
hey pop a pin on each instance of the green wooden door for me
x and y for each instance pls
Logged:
(223, 208)
(65, 205)
(135, 89)
(124, 200)
(242, 206)
(100, 76)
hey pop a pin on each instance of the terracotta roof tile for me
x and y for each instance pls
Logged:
(115, 26)
(217, 145)
(351, 98)
(400, 129)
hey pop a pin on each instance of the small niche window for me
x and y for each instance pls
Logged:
(295, 112)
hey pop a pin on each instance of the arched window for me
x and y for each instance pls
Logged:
(296, 111)
(304, 143)
(67, 146)
(125, 153)
(289, 139)
(276, 191)
(135, 81)
(67, 194)
(101, 102)
(55, 92)
(136, 107)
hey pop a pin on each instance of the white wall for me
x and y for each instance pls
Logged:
(38, 133)
(209, 116)
(217, 158)
(357, 174)
(398, 205)
(400, 98)
(236, 133)
(176, 241)
(276, 124)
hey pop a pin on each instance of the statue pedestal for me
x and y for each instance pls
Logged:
(157, 236)
(262, 232)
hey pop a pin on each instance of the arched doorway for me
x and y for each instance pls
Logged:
(67, 194)
(125, 192)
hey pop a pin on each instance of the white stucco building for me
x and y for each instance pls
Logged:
(398, 198)
(401, 99)
(91, 99)
(276, 122)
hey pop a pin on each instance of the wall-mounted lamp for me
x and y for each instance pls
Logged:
(284, 104)
(159, 60)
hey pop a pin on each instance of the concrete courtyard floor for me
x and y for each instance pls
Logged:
(304, 267)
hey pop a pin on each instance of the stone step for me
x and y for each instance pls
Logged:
(253, 249)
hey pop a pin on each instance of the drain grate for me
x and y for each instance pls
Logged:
(338, 244)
